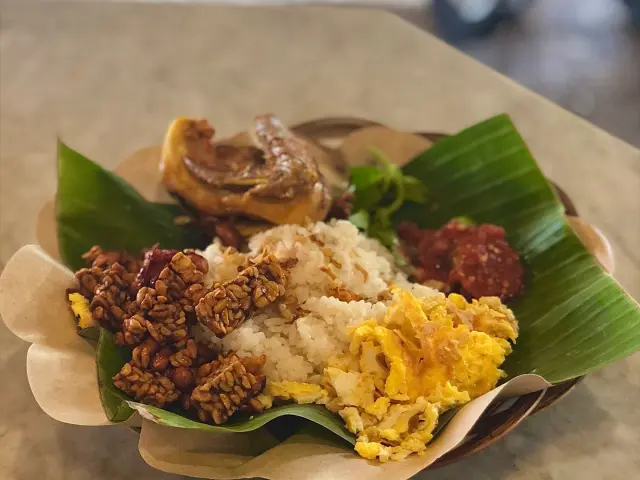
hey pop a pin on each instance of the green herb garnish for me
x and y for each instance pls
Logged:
(380, 190)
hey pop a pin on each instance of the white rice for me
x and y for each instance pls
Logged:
(329, 255)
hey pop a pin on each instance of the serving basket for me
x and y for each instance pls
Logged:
(340, 143)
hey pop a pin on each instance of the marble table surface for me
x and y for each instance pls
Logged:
(108, 78)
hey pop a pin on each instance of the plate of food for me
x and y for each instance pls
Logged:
(313, 301)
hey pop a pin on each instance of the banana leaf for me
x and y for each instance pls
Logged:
(96, 207)
(109, 360)
(574, 318)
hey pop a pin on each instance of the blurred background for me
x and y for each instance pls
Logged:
(581, 54)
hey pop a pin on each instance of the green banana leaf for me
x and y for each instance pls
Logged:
(96, 207)
(315, 413)
(574, 318)
(109, 360)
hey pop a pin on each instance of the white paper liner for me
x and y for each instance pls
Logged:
(61, 365)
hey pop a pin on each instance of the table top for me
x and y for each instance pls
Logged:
(109, 78)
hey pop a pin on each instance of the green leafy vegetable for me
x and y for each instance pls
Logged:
(96, 207)
(360, 219)
(366, 180)
(379, 192)
(464, 220)
(574, 318)
(414, 190)
(90, 333)
(109, 360)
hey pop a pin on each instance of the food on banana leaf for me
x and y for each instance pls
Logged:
(313, 314)
(328, 314)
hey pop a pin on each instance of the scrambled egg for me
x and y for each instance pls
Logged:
(80, 308)
(425, 357)
(298, 392)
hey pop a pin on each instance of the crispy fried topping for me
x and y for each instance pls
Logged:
(226, 385)
(231, 303)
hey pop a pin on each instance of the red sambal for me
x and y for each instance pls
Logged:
(475, 260)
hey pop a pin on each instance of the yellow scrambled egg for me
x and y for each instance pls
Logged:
(299, 392)
(423, 358)
(80, 308)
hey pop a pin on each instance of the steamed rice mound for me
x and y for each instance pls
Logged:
(330, 256)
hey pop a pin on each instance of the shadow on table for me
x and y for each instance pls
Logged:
(36, 446)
